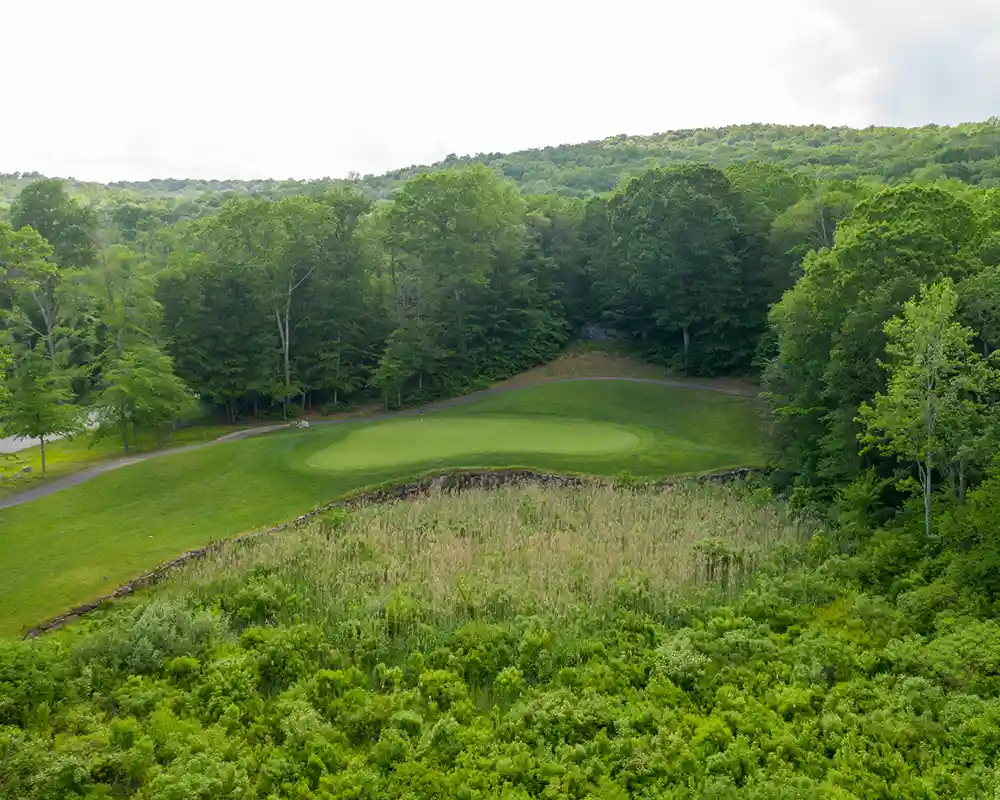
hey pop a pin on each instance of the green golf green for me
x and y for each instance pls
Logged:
(412, 441)
(70, 547)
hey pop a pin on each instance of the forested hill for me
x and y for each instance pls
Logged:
(969, 152)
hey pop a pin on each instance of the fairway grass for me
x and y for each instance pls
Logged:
(77, 544)
(68, 456)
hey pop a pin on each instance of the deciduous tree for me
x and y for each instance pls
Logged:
(38, 399)
(141, 391)
(70, 227)
(934, 411)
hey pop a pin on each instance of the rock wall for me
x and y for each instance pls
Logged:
(459, 481)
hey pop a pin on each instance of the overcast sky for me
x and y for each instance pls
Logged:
(106, 90)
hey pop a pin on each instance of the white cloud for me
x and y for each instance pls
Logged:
(109, 89)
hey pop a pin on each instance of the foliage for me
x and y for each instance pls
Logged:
(273, 292)
(321, 297)
(38, 395)
(524, 644)
(673, 268)
(829, 328)
(5, 363)
(142, 392)
(467, 306)
(69, 226)
(934, 412)
(979, 298)
(966, 152)
(817, 679)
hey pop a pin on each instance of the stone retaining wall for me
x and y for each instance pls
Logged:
(458, 481)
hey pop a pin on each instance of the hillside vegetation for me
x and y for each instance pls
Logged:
(436, 647)
(529, 643)
(969, 152)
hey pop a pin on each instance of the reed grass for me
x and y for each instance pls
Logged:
(489, 555)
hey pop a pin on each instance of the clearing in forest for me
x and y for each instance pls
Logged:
(65, 549)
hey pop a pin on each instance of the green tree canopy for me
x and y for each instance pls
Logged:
(38, 398)
(830, 326)
(671, 273)
(935, 411)
(141, 392)
(69, 226)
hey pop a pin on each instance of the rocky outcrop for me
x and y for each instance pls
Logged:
(459, 481)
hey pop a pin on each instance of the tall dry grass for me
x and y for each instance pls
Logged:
(493, 554)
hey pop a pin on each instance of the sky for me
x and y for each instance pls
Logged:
(110, 90)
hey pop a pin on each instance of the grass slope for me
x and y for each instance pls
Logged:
(580, 360)
(66, 549)
(67, 456)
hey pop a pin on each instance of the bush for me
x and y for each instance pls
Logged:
(142, 641)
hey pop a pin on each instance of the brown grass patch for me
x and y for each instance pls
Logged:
(486, 555)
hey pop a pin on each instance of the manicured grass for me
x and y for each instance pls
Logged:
(66, 456)
(413, 441)
(65, 549)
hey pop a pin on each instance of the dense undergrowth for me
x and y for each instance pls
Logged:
(318, 667)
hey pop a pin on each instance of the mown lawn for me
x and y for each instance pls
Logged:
(66, 456)
(65, 549)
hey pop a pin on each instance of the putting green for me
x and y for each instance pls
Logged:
(412, 441)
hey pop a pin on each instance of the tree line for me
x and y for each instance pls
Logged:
(871, 313)
(884, 367)
(320, 301)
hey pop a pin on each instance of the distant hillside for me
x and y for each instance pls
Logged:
(969, 152)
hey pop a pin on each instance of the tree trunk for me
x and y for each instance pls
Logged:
(686, 331)
(961, 481)
(925, 480)
(41, 440)
(822, 225)
(283, 330)
(49, 313)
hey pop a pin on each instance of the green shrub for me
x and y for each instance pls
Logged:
(142, 640)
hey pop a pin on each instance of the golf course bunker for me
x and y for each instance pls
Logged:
(412, 441)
